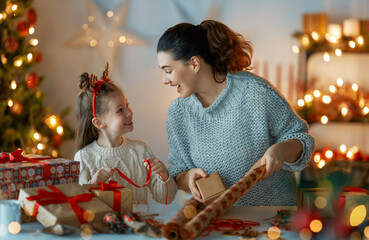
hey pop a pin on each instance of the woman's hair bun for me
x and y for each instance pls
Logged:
(84, 81)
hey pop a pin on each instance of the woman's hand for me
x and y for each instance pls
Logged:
(158, 167)
(193, 175)
(273, 158)
(102, 175)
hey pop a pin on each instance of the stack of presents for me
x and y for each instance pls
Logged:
(48, 191)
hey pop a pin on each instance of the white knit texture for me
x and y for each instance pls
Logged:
(234, 132)
(128, 158)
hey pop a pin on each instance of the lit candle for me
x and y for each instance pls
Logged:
(335, 30)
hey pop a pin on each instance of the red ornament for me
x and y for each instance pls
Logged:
(32, 80)
(11, 44)
(57, 140)
(32, 16)
(37, 56)
(23, 28)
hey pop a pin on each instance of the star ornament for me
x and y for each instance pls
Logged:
(106, 32)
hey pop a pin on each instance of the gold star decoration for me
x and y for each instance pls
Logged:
(106, 32)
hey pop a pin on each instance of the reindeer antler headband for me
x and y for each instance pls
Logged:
(96, 85)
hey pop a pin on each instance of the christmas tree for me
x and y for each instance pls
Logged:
(25, 122)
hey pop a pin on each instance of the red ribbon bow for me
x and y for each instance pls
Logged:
(111, 186)
(56, 197)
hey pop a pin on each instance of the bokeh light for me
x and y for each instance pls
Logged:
(274, 232)
(14, 227)
(316, 225)
(357, 215)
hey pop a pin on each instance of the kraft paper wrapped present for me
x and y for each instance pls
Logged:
(330, 205)
(14, 167)
(119, 198)
(68, 204)
(210, 187)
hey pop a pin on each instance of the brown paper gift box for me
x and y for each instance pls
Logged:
(107, 196)
(62, 213)
(210, 187)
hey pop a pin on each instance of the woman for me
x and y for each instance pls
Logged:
(226, 118)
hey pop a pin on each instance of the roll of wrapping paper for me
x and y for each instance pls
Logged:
(225, 201)
(172, 228)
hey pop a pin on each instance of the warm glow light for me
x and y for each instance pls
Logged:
(315, 36)
(274, 232)
(2, 15)
(328, 154)
(360, 40)
(316, 225)
(4, 60)
(13, 85)
(89, 215)
(84, 26)
(60, 130)
(332, 88)
(365, 110)
(29, 57)
(317, 157)
(339, 82)
(300, 102)
(91, 18)
(40, 146)
(54, 153)
(18, 62)
(93, 43)
(321, 164)
(326, 57)
(14, 227)
(349, 154)
(324, 119)
(305, 41)
(352, 44)
(305, 234)
(333, 39)
(344, 111)
(110, 14)
(366, 232)
(355, 87)
(343, 148)
(308, 98)
(10, 103)
(14, 7)
(36, 136)
(111, 43)
(357, 215)
(295, 49)
(31, 30)
(33, 41)
(122, 39)
(52, 120)
(326, 99)
(86, 233)
(316, 93)
(338, 52)
(321, 202)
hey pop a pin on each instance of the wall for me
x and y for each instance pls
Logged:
(268, 24)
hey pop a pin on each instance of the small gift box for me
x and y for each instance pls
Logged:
(119, 198)
(210, 187)
(14, 167)
(64, 204)
(329, 205)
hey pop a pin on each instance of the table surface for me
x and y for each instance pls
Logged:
(32, 230)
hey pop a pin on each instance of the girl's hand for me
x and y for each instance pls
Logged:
(193, 175)
(274, 160)
(102, 175)
(158, 167)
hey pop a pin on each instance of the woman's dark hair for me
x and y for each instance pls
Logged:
(86, 131)
(219, 46)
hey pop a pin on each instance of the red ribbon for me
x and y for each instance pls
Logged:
(56, 197)
(17, 156)
(147, 179)
(341, 200)
(111, 186)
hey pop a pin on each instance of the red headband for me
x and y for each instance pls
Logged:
(96, 85)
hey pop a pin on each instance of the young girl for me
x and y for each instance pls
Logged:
(103, 117)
